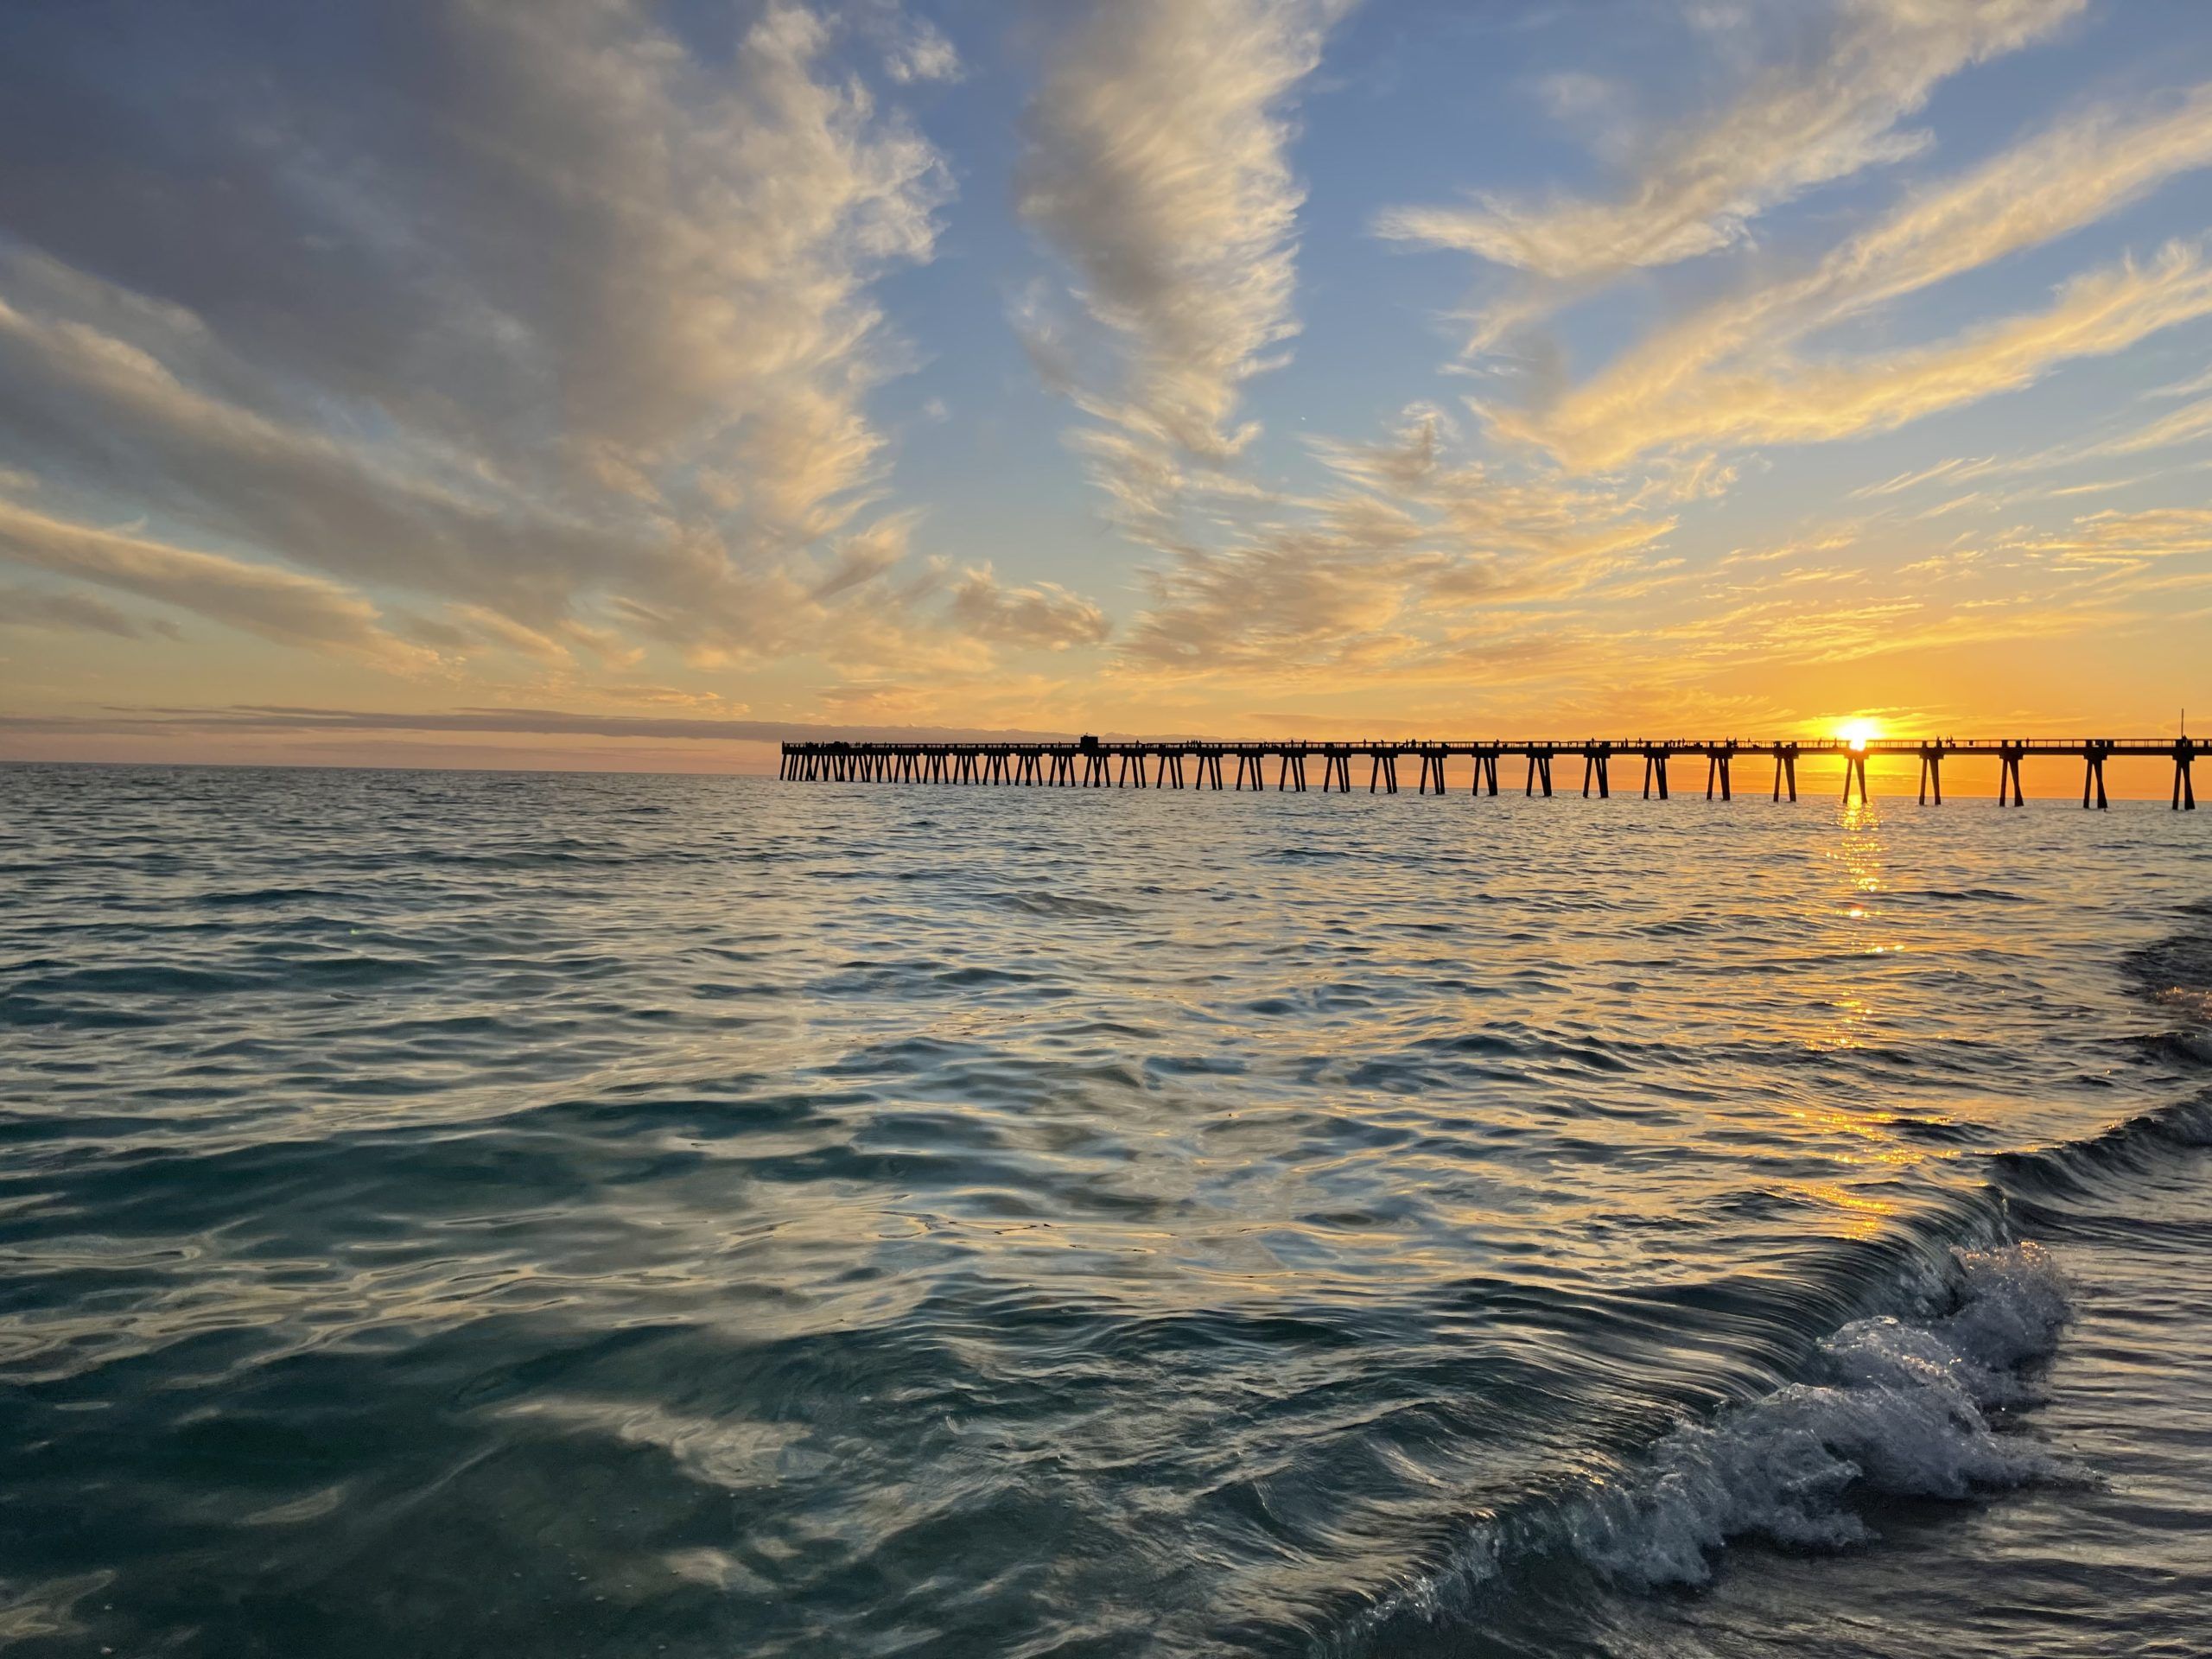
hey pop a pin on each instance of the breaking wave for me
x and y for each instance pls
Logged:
(1919, 1401)
(1897, 1406)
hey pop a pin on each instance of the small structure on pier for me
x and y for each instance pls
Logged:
(1092, 763)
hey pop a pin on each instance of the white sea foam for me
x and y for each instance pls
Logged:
(1899, 1408)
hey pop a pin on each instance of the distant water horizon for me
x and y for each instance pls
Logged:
(489, 1213)
(2048, 780)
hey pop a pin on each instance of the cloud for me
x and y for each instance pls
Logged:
(2181, 388)
(1833, 111)
(1043, 616)
(279, 605)
(511, 722)
(1297, 600)
(1157, 165)
(1574, 94)
(553, 337)
(109, 411)
(2125, 540)
(918, 50)
(1372, 574)
(464, 629)
(2183, 425)
(859, 560)
(2177, 427)
(1798, 401)
(539, 310)
(1743, 345)
(22, 606)
(1913, 478)
(2052, 183)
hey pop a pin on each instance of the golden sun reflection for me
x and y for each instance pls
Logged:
(1858, 857)
(1855, 1213)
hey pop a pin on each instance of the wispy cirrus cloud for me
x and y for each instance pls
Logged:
(515, 722)
(284, 606)
(72, 610)
(2123, 539)
(1157, 165)
(1809, 401)
(547, 318)
(2187, 424)
(549, 350)
(1593, 478)
(1040, 614)
(1386, 564)
(1833, 107)
(1717, 375)
(2190, 424)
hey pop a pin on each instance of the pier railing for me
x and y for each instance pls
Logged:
(1092, 763)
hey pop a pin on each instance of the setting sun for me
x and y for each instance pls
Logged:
(1859, 732)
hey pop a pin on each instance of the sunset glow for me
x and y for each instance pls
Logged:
(1158, 367)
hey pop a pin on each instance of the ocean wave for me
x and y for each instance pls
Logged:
(1896, 1407)
(1066, 904)
(1900, 1409)
(2147, 1140)
(819, 1231)
(1915, 1402)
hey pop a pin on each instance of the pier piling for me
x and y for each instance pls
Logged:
(1854, 771)
(1593, 765)
(1093, 763)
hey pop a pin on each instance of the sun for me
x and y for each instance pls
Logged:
(1859, 732)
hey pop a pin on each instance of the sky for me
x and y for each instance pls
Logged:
(635, 383)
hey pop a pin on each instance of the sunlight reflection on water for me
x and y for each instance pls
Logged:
(821, 1219)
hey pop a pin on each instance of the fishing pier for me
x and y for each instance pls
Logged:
(1091, 763)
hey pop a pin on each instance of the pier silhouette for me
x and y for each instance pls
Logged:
(1091, 763)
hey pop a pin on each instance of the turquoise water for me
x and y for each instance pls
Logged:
(467, 1214)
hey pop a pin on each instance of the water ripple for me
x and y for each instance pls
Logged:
(459, 1214)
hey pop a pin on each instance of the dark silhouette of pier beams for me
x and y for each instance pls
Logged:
(1854, 771)
(1716, 769)
(1093, 763)
(1594, 757)
(1785, 769)
(2093, 771)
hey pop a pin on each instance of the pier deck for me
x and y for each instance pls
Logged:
(1092, 763)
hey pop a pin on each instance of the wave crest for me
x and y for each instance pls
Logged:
(1896, 1407)
(1901, 1409)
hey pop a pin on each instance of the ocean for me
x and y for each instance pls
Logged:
(489, 1214)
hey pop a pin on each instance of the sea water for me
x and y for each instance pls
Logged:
(474, 1214)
